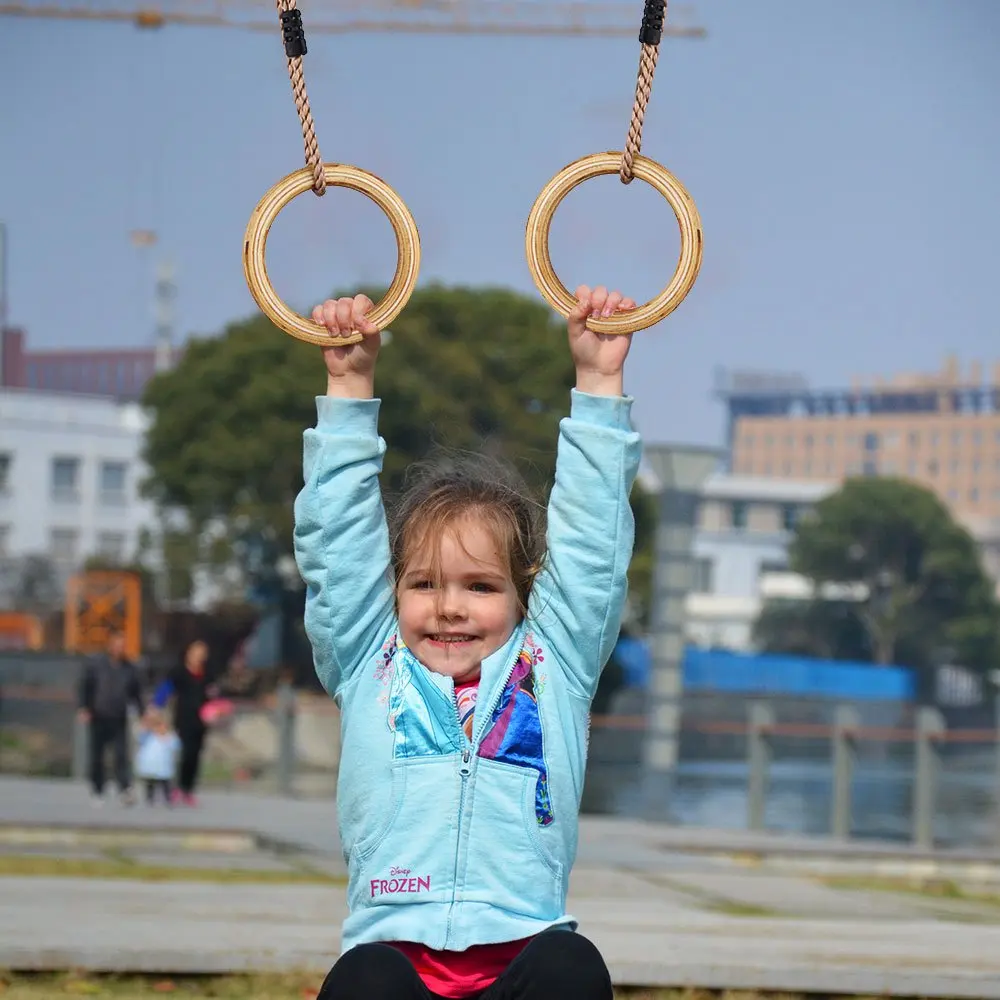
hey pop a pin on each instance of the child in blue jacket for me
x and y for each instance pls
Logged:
(464, 648)
(156, 757)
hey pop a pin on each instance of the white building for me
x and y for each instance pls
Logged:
(70, 471)
(745, 527)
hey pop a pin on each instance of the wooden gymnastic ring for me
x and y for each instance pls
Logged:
(255, 245)
(540, 220)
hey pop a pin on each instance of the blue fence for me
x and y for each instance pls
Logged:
(748, 673)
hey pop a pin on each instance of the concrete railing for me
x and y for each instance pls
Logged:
(928, 738)
(843, 738)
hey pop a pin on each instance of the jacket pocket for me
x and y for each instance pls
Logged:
(512, 861)
(411, 857)
(369, 842)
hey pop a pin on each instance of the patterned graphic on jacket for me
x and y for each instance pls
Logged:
(512, 736)
(514, 733)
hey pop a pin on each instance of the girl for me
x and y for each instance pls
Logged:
(156, 759)
(464, 652)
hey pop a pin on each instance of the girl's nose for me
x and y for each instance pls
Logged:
(452, 604)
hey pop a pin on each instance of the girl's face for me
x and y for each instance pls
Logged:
(197, 655)
(156, 722)
(455, 614)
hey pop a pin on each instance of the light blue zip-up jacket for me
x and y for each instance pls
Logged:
(450, 843)
(157, 755)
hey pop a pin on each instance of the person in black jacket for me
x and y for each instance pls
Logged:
(109, 683)
(190, 689)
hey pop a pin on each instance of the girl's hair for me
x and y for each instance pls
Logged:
(443, 490)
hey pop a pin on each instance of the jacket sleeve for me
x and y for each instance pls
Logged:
(87, 686)
(342, 541)
(177, 679)
(135, 689)
(578, 599)
(164, 692)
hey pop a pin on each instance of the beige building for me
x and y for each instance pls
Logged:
(942, 431)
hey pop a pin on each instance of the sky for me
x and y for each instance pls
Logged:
(845, 160)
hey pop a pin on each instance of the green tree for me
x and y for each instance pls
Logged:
(36, 585)
(825, 629)
(922, 594)
(470, 369)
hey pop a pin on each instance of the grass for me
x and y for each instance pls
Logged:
(935, 888)
(275, 987)
(255, 987)
(119, 867)
(731, 909)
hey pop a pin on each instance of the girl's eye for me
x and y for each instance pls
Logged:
(483, 588)
(421, 585)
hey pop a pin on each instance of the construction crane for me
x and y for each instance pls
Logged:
(468, 17)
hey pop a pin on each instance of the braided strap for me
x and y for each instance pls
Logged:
(295, 48)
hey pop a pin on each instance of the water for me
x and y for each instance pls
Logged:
(713, 793)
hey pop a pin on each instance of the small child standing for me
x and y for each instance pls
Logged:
(156, 760)
(464, 644)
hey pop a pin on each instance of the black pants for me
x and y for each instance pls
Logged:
(556, 965)
(192, 741)
(157, 784)
(114, 732)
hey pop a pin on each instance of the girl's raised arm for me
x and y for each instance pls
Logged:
(579, 597)
(341, 537)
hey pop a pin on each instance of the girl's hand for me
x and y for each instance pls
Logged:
(599, 357)
(351, 369)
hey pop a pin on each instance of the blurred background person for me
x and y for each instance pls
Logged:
(110, 683)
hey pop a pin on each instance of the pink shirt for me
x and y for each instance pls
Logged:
(465, 698)
(458, 974)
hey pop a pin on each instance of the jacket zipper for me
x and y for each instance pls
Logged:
(465, 769)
